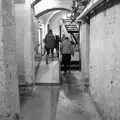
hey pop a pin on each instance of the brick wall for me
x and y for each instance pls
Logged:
(105, 61)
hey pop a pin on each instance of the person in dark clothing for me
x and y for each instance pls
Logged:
(57, 40)
(49, 44)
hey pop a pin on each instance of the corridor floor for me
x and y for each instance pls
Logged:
(68, 101)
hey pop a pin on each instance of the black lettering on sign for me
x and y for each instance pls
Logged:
(19, 1)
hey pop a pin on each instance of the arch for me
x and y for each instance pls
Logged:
(51, 17)
(52, 9)
(53, 14)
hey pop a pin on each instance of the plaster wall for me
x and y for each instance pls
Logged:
(9, 97)
(84, 49)
(25, 36)
(19, 10)
(35, 41)
(104, 66)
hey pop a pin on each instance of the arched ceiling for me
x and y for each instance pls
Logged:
(44, 6)
(45, 18)
(55, 21)
(56, 14)
(52, 9)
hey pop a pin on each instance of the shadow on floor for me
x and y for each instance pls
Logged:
(69, 79)
(71, 87)
(24, 98)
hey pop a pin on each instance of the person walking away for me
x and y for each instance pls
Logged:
(66, 49)
(49, 44)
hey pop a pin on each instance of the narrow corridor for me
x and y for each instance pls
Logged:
(33, 91)
(69, 101)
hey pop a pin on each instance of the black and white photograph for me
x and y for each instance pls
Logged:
(59, 59)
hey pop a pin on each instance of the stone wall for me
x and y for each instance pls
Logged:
(9, 97)
(105, 61)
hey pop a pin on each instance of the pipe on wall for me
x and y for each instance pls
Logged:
(90, 6)
(35, 2)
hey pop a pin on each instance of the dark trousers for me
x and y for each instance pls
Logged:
(50, 50)
(57, 50)
(66, 58)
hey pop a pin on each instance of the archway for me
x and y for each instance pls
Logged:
(53, 9)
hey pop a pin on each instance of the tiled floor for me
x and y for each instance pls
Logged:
(69, 101)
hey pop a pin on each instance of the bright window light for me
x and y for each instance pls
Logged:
(64, 16)
(31, 1)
